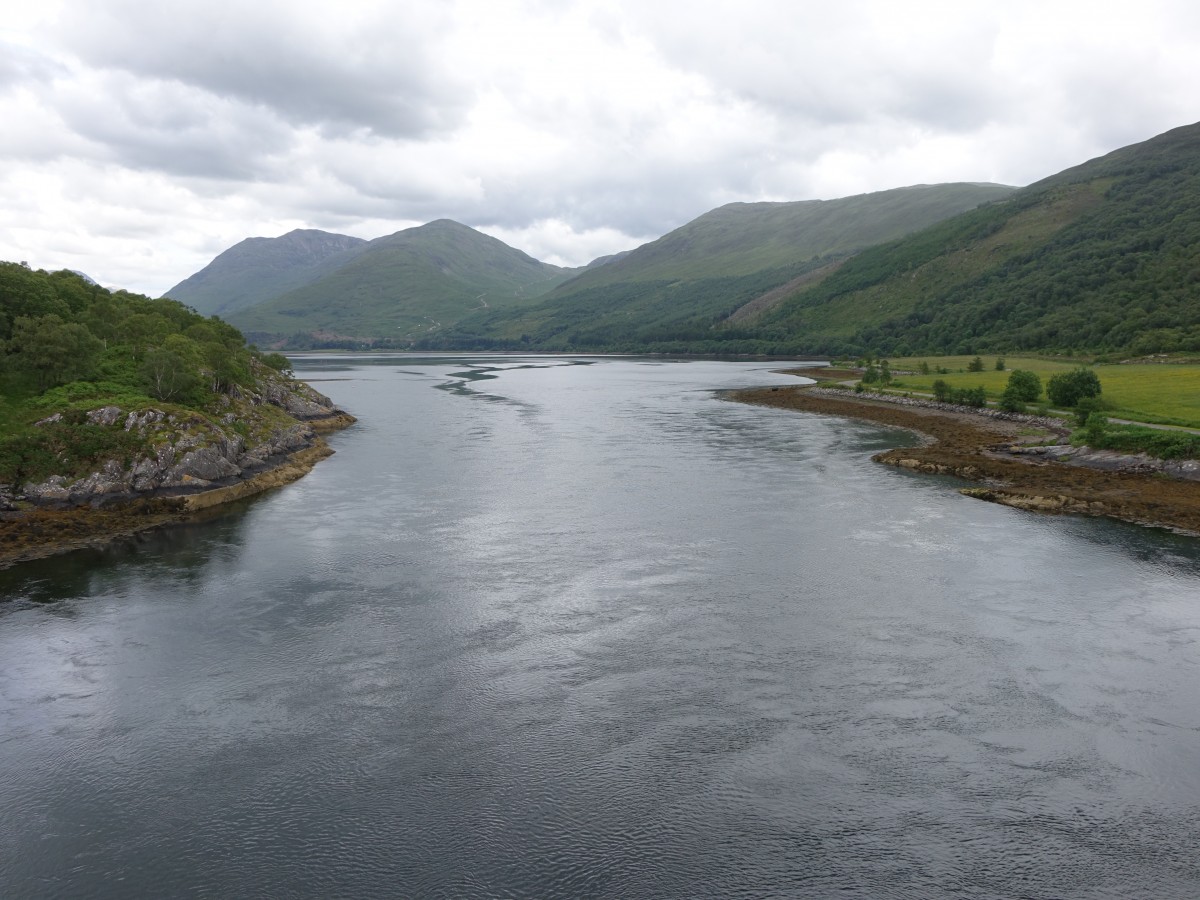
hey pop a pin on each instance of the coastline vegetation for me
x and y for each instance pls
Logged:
(69, 346)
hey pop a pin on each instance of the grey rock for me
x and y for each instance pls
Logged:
(205, 464)
(49, 420)
(143, 419)
(52, 490)
(98, 484)
(106, 415)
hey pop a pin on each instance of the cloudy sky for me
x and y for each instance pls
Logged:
(139, 139)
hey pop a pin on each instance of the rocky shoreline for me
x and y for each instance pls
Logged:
(1006, 454)
(267, 438)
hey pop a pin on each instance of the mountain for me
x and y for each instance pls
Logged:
(406, 285)
(1104, 256)
(260, 268)
(675, 288)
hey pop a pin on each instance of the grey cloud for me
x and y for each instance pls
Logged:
(378, 77)
(168, 128)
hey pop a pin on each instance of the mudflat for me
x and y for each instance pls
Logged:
(974, 447)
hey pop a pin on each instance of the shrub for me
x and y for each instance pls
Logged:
(1068, 388)
(1024, 386)
(1097, 424)
(1088, 405)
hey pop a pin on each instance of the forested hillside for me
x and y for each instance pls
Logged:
(69, 347)
(1102, 257)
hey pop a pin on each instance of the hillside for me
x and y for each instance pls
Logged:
(1103, 257)
(744, 238)
(258, 269)
(109, 399)
(676, 288)
(408, 284)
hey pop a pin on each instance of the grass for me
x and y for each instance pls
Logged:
(1163, 394)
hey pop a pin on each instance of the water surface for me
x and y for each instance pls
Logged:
(578, 627)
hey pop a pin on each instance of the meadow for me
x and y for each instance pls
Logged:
(1159, 393)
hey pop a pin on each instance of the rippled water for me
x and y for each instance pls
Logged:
(550, 627)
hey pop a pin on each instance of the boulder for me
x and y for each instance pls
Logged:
(106, 415)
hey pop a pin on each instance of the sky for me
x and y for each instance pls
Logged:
(140, 139)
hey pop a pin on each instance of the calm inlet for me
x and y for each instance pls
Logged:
(550, 627)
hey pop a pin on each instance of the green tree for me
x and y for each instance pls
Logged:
(167, 374)
(1023, 386)
(975, 365)
(1068, 388)
(50, 351)
(141, 331)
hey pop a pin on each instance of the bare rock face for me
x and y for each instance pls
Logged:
(299, 401)
(205, 464)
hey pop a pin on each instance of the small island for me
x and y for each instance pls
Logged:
(121, 413)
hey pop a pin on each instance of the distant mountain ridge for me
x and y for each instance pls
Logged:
(1103, 256)
(406, 284)
(421, 285)
(675, 288)
(259, 268)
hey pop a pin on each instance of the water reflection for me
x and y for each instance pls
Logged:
(611, 636)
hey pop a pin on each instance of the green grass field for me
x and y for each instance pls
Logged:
(1166, 394)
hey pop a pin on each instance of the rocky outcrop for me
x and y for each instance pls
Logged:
(185, 454)
(1112, 461)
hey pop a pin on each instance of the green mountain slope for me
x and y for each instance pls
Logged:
(405, 285)
(1104, 256)
(258, 269)
(743, 238)
(681, 286)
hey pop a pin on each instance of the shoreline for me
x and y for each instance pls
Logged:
(40, 532)
(975, 448)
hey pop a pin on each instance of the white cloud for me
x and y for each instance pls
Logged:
(143, 138)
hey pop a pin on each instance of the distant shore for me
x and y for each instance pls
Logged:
(977, 448)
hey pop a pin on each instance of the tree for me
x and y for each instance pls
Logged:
(167, 374)
(1068, 388)
(51, 351)
(1023, 386)
(1000, 364)
(975, 365)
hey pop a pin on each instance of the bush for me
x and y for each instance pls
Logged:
(1097, 424)
(1068, 388)
(1010, 403)
(942, 391)
(975, 396)
(1023, 386)
(1159, 443)
(277, 361)
(1087, 406)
